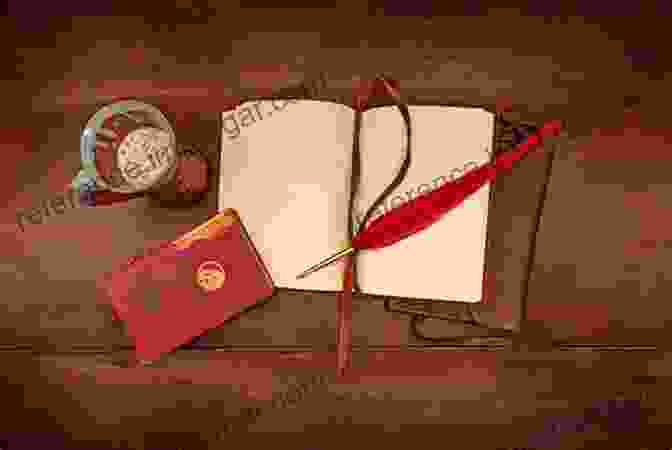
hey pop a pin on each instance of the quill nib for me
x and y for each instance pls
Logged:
(325, 262)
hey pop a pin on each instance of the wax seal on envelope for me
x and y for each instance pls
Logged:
(210, 276)
(184, 287)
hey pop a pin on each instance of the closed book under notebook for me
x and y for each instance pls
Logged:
(290, 163)
(181, 289)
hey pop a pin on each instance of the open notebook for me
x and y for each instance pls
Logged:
(286, 166)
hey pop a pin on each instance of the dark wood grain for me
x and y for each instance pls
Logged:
(587, 283)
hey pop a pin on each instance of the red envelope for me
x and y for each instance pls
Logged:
(179, 290)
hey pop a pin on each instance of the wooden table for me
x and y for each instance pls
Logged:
(597, 279)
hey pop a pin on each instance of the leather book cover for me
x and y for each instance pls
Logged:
(180, 289)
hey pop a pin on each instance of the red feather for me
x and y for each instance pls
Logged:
(425, 210)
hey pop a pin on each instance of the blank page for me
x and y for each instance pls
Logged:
(285, 166)
(445, 261)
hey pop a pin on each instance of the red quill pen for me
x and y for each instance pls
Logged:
(425, 210)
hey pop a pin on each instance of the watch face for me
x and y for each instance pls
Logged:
(145, 156)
